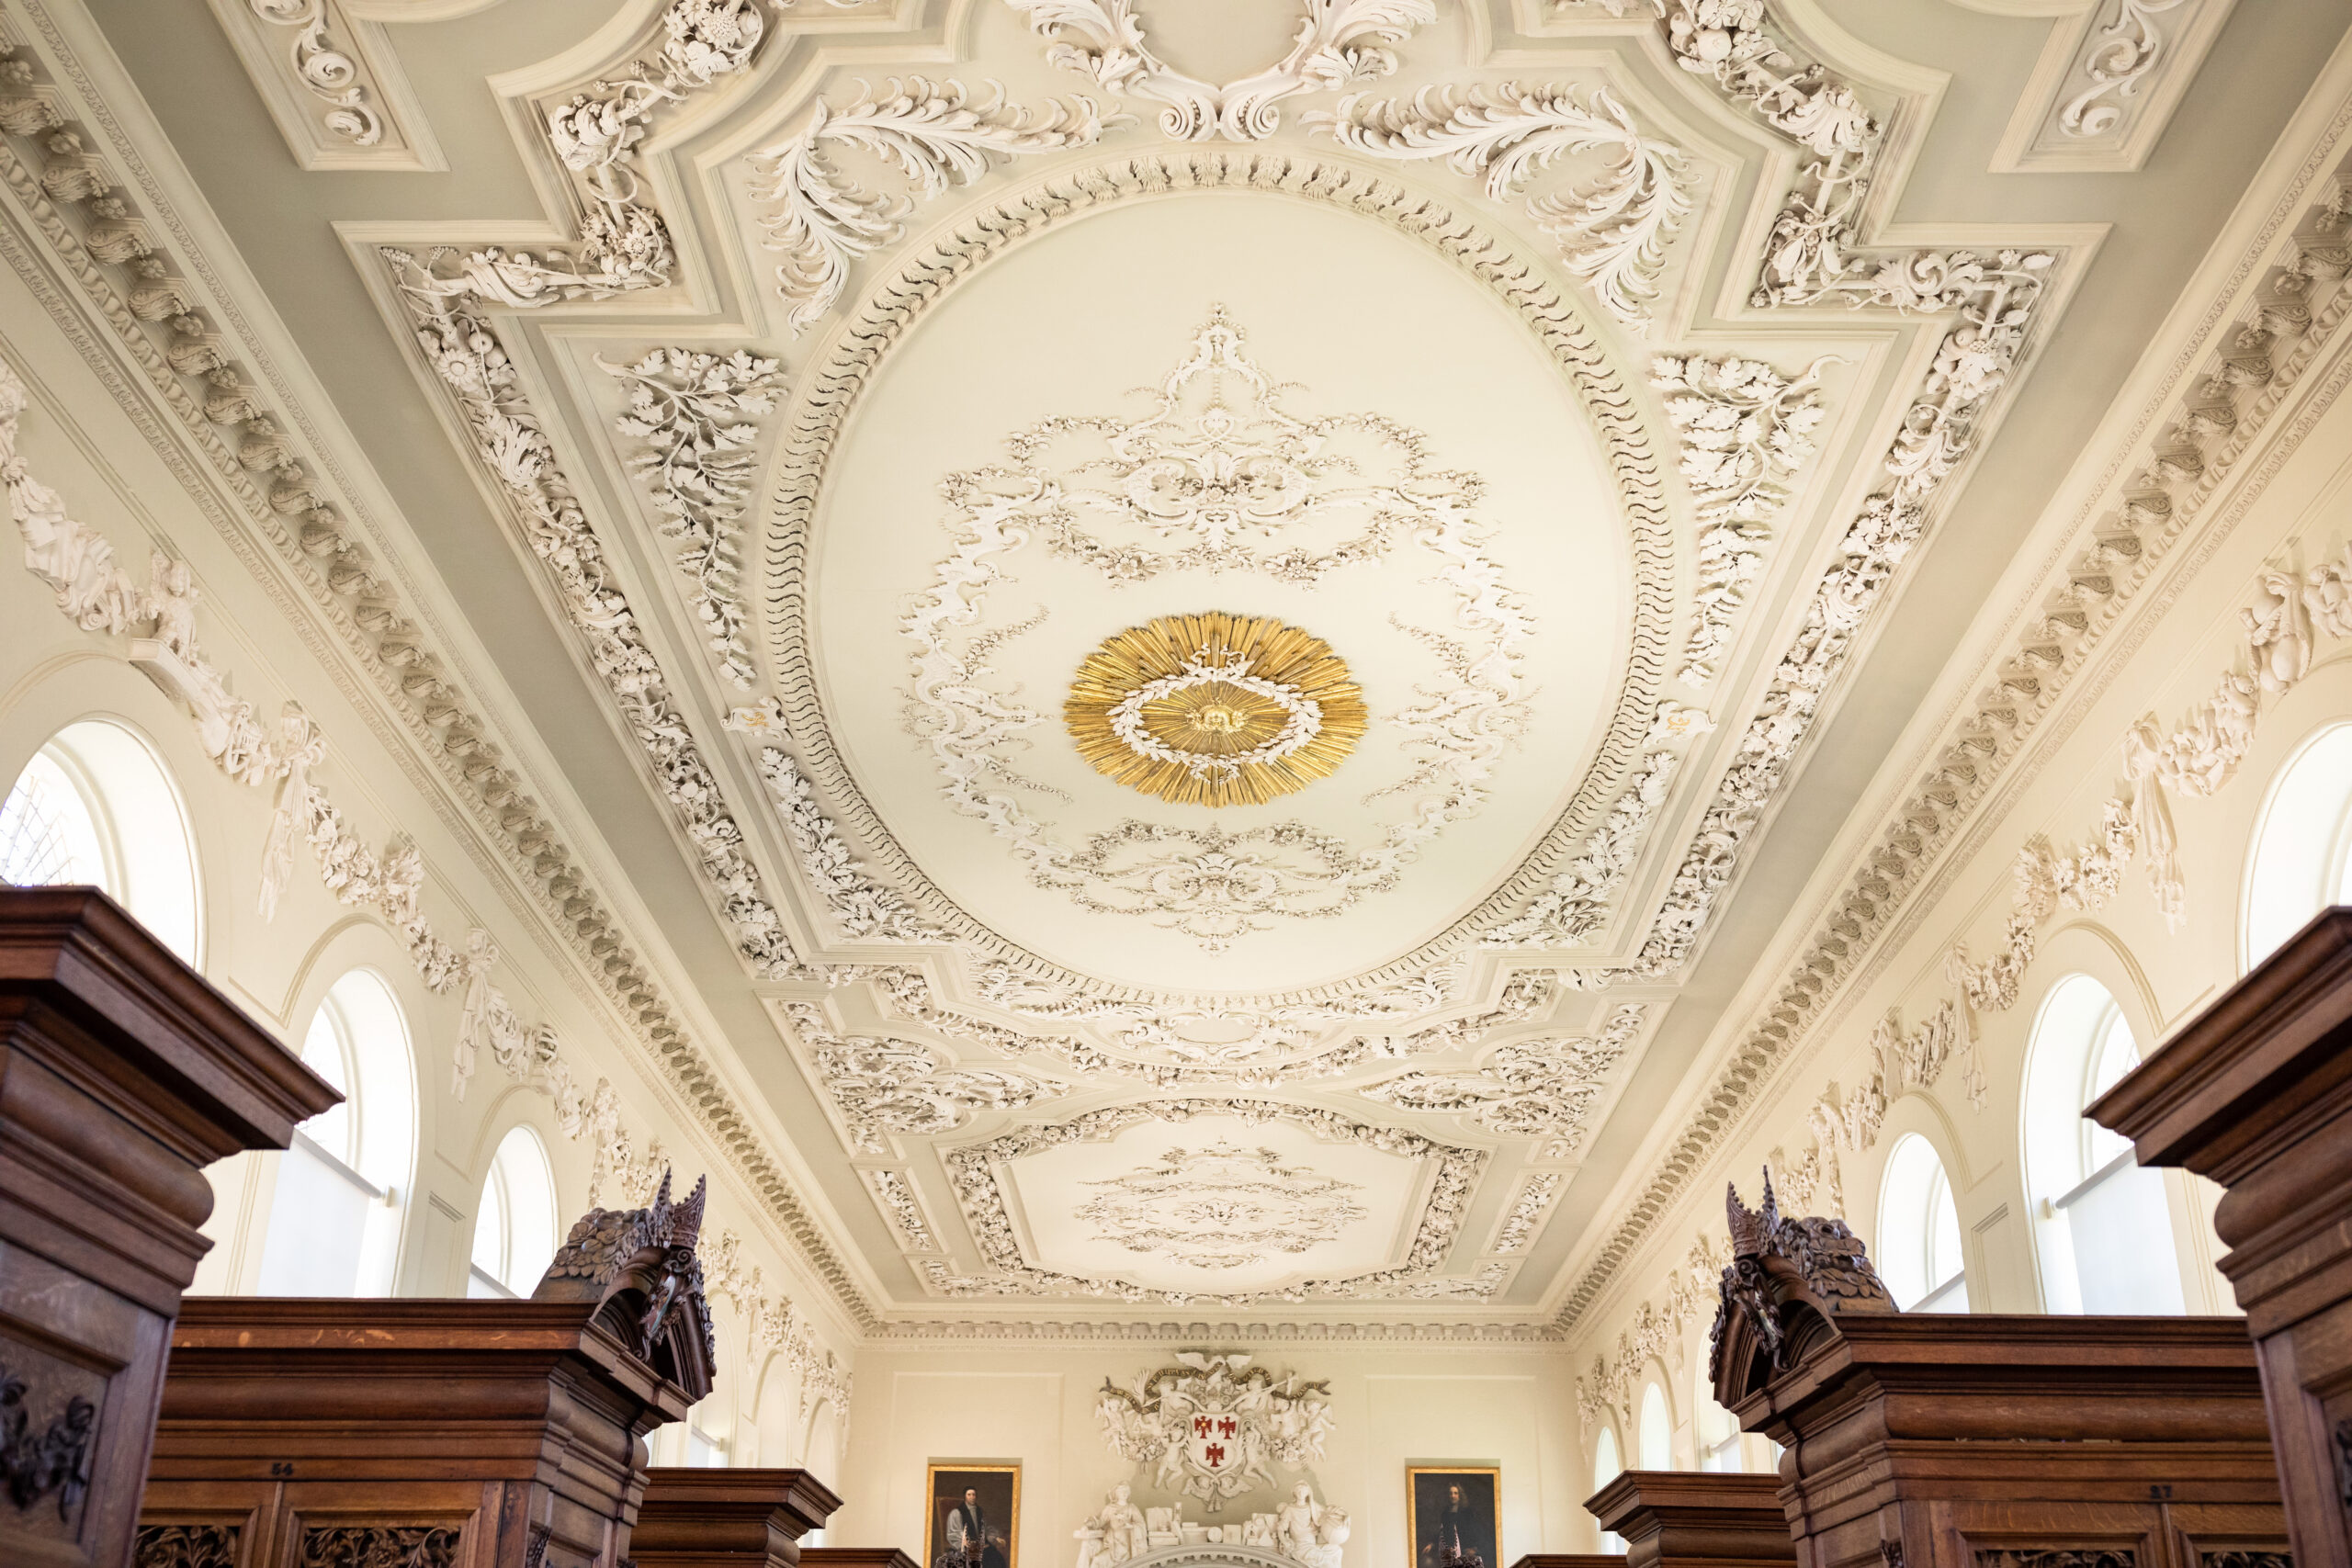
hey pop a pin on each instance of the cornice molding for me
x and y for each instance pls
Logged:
(157, 313)
(2280, 310)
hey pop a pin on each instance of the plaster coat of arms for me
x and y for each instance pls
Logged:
(1213, 1425)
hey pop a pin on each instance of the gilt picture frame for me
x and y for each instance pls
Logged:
(951, 1490)
(1454, 1505)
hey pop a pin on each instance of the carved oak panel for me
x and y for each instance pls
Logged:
(186, 1546)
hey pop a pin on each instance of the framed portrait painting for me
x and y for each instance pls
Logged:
(1450, 1514)
(974, 1516)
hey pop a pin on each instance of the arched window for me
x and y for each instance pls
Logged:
(777, 1415)
(1919, 1231)
(1656, 1431)
(1606, 1468)
(2303, 849)
(1716, 1429)
(95, 806)
(2102, 1230)
(335, 1215)
(823, 1456)
(514, 1226)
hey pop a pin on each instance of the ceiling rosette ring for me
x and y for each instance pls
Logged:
(1239, 542)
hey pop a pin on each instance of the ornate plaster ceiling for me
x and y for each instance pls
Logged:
(846, 376)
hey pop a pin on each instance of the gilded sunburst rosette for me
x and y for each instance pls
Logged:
(1214, 709)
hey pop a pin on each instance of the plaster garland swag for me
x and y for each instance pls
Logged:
(2254, 361)
(464, 352)
(1744, 431)
(1161, 1035)
(76, 562)
(882, 1086)
(1220, 1207)
(687, 410)
(1543, 1089)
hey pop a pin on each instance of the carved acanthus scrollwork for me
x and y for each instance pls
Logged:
(688, 410)
(884, 1087)
(2130, 48)
(464, 352)
(623, 243)
(1612, 228)
(935, 133)
(184, 1546)
(1541, 1089)
(380, 1546)
(325, 70)
(1337, 42)
(1744, 431)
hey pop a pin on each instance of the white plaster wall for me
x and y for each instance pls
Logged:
(1033, 1406)
(2288, 504)
(95, 442)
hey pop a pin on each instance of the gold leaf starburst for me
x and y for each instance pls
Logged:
(1214, 709)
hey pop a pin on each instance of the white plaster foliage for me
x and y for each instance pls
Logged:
(976, 1170)
(2131, 47)
(1745, 429)
(1221, 1207)
(1577, 900)
(464, 352)
(623, 243)
(862, 908)
(934, 133)
(1337, 42)
(774, 1326)
(77, 564)
(1612, 228)
(897, 1196)
(1543, 1089)
(1110, 494)
(2255, 365)
(324, 70)
(687, 409)
(1284, 1042)
(1525, 1215)
(1656, 1334)
(884, 1087)
(1155, 1420)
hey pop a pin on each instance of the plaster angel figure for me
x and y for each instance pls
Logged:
(301, 747)
(171, 599)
